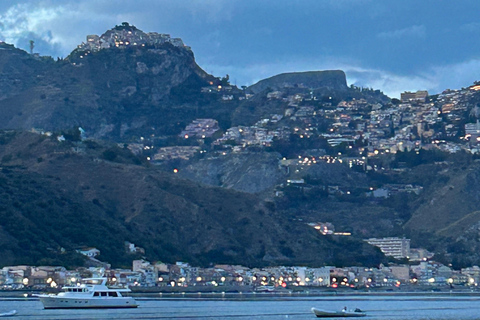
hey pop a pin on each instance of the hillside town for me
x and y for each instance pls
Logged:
(417, 121)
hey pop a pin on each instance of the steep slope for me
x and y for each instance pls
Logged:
(116, 92)
(253, 173)
(66, 195)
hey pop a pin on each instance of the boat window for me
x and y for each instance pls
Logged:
(96, 294)
(104, 294)
(113, 294)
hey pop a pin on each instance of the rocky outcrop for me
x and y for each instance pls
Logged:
(329, 79)
(247, 172)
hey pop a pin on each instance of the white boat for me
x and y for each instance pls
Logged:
(337, 314)
(8, 314)
(92, 293)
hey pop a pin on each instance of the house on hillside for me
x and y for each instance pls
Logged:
(89, 252)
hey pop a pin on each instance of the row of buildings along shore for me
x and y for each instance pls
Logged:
(180, 274)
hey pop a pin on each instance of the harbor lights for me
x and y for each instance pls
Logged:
(222, 279)
(25, 281)
(160, 279)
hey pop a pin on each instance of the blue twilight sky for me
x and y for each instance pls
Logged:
(389, 45)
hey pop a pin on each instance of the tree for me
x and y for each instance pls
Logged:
(32, 45)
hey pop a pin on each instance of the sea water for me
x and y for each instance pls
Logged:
(263, 307)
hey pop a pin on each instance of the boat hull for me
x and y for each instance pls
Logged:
(8, 314)
(54, 302)
(337, 314)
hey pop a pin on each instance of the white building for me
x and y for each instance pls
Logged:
(395, 247)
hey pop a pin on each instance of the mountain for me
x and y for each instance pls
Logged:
(334, 80)
(285, 154)
(120, 91)
(58, 196)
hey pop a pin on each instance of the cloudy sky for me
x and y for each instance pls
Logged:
(389, 45)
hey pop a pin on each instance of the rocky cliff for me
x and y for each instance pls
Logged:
(329, 79)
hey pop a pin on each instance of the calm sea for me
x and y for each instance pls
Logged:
(263, 307)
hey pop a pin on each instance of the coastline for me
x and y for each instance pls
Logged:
(249, 291)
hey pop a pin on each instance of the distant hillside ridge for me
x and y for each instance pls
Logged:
(115, 86)
(329, 79)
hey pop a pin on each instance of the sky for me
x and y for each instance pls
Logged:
(393, 46)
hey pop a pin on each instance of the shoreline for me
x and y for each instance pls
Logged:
(242, 291)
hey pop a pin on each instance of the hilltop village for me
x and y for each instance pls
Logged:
(126, 35)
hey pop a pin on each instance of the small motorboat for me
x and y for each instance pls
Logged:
(338, 314)
(8, 314)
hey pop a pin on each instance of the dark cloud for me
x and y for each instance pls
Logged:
(391, 43)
